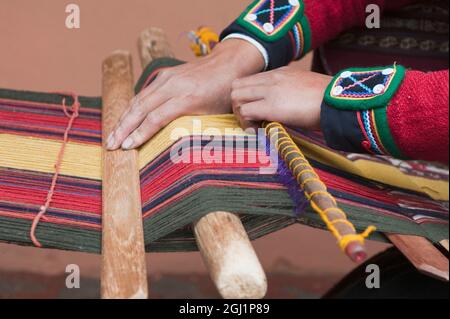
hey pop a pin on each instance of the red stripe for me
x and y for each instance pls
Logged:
(363, 130)
(294, 53)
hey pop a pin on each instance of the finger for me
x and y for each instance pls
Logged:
(248, 114)
(153, 123)
(135, 114)
(248, 94)
(247, 125)
(161, 78)
(133, 117)
(255, 111)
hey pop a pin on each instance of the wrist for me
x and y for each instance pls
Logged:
(240, 57)
(362, 97)
(279, 26)
(254, 43)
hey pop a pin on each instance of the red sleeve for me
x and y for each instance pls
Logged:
(328, 18)
(286, 30)
(418, 116)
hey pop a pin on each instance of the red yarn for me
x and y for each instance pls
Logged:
(44, 208)
(418, 116)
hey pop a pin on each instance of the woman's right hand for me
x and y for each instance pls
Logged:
(195, 88)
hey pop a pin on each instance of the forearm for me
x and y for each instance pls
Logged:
(240, 57)
(407, 117)
(288, 29)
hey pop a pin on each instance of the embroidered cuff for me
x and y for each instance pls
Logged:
(280, 26)
(354, 110)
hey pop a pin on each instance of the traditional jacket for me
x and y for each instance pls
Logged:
(399, 109)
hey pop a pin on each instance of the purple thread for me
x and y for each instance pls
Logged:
(286, 177)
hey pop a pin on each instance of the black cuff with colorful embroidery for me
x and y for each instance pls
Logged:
(354, 110)
(280, 26)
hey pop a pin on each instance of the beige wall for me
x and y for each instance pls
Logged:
(38, 52)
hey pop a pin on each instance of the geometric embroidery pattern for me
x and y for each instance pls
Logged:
(362, 85)
(271, 19)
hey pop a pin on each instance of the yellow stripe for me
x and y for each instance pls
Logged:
(37, 154)
(376, 171)
(83, 160)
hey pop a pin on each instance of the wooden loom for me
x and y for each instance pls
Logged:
(220, 235)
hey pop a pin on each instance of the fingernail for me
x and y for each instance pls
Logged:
(110, 141)
(128, 143)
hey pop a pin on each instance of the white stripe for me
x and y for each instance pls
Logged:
(255, 43)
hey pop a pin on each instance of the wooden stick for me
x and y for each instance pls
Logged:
(422, 254)
(123, 271)
(221, 238)
(321, 200)
(229, 256)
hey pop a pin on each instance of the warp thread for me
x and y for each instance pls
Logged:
(75, 112)
(285, 176)
(286, 140)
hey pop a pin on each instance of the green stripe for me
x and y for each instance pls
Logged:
(384, 133)
(49, 98)
(307, 35)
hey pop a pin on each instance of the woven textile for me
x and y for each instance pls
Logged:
(396, 196)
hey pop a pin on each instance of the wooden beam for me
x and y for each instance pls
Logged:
(221, 238)
(153, 44)
(422, 254)
(123, 270)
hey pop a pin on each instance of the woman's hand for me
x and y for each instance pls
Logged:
(199, 87)
(287, 95)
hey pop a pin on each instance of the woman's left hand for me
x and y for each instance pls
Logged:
(287, 95)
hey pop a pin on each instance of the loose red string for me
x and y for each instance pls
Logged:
(44, 208)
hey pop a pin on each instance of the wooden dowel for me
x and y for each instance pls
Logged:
(221, 238)
(422, 254)
(153, 44)
(229, 256)
(123, 270)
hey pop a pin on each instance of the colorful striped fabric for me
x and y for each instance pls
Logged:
(176, 194)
